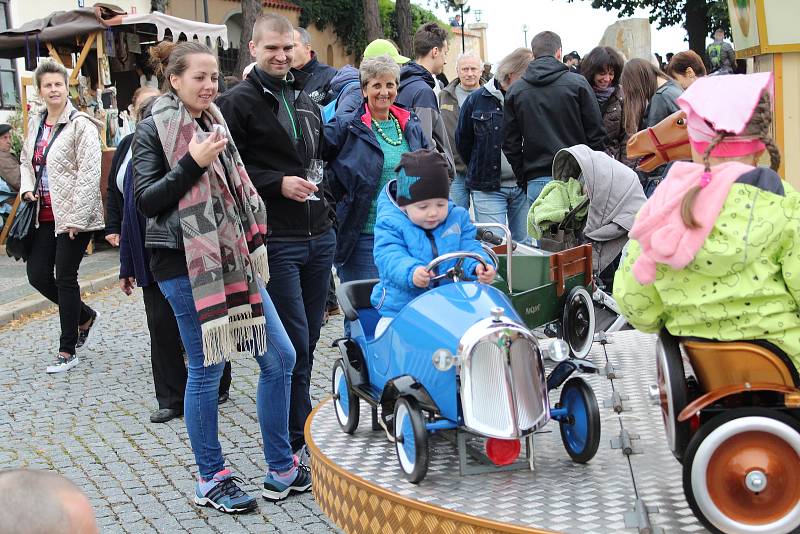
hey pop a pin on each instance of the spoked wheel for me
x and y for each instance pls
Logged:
(741, 472)
(672, 393)
(411, 439)
(580, 431)
(344, 400)
(577, 322)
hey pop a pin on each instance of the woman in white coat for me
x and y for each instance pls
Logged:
(60, 171)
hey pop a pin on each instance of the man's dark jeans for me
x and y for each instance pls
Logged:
(300, 272)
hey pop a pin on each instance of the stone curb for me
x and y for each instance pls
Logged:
(17, 309)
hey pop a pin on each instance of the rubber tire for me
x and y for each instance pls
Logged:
(353, 409)
(420, 436)
(703, 432)
(581, 293)
(591, 415)
(675, 378)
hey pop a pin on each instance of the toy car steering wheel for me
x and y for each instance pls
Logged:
(455, 273)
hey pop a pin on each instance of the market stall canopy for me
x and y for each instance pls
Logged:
(62, 27)
(190, 28)
(58, 28)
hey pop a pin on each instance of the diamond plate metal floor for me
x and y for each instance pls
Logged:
(559, 495)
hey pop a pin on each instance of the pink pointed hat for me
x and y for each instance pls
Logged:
(724, 103)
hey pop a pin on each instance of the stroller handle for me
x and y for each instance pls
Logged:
(570, 217)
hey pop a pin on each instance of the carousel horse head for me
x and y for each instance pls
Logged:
(666, 141)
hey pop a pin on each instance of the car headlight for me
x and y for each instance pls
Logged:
(557, 350)
(443, 359)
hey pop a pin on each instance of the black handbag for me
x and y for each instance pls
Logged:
(565, 235)
(20, 236)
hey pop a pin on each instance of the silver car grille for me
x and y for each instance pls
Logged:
(525, 372)
(503, 388)
(490, 387)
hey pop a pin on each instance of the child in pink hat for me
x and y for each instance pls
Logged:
(714, 252)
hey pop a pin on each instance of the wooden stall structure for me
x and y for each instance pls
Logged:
(74, 37)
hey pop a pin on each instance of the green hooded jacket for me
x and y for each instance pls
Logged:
(743, 284)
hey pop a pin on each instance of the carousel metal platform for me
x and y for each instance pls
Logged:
(632, 484)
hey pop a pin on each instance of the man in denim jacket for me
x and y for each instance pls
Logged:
(496, 196)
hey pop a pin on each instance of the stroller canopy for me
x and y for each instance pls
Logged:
(615, 196)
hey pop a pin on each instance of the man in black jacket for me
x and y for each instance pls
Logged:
(277, 129)
(550, 108)
(318, 85)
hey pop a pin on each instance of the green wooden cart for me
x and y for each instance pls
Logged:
(548, 289)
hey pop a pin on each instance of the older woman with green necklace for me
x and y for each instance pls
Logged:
(362, 150)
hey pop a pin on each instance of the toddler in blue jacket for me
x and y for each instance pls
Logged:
(416, 223)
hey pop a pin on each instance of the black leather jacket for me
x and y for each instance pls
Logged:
(157, 188)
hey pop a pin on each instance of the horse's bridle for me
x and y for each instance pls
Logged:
(662, 148)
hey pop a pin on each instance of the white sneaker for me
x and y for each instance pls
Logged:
(63, 363)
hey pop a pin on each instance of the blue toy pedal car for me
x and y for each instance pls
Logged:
(458, 357)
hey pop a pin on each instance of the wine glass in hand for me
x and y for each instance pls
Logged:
(314, 175)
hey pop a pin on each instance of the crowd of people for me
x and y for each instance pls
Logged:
(231, 209)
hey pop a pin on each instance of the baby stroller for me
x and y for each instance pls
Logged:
(614, 196)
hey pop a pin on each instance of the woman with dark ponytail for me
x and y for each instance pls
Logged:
(713, 252)
(205, 229)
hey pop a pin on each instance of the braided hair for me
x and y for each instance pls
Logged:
(758, 126)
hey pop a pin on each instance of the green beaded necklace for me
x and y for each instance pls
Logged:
(393, 142)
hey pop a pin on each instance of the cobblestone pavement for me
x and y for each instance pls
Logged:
(91, 425)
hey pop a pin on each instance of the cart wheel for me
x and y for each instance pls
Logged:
(580, 430)
(577, 322)
(411, 439)
(741, 469)
(344, 400)
(672, 393)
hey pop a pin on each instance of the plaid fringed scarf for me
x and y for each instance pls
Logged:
(223, 257)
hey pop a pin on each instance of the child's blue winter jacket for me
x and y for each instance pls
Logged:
(401, 246)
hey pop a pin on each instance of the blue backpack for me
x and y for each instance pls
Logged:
(329, 110)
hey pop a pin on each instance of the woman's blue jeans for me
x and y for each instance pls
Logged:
(202, 386)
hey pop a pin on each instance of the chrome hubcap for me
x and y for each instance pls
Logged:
(756, 481)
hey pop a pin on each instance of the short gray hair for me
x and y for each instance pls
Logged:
(469, 54)
(49, 66)
(378, 66)
(37, 501)
(514, 63)
(305, 37)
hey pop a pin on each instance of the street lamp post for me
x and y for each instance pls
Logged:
(525, 33)
(460, 4)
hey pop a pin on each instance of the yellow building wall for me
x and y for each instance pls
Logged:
(474, 41)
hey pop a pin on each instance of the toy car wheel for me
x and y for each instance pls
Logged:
(580, 430)
(411, 439)
(741, 469)
(672, 393)
(577, 322)
(345, 402)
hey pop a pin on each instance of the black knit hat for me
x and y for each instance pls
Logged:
(421, 175)
(4, 128)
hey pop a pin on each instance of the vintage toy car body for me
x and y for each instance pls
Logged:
(458, 357)
(731, 413)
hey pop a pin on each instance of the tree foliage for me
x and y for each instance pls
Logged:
(699, 17)
(346, 18)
